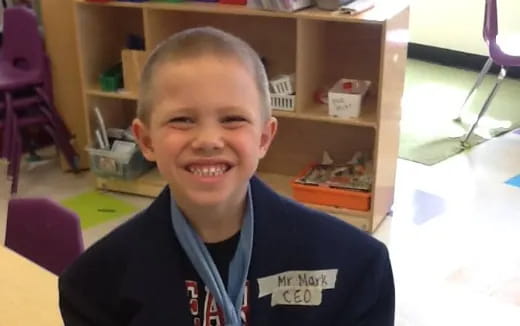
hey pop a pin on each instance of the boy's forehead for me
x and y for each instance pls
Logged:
(202, 74)
(203, 61)
(204, 81)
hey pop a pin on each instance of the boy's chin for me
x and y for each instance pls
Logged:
(210, 199)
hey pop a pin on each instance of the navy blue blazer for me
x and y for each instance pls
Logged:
(132, 276)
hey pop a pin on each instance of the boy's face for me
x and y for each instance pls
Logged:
(205, 130)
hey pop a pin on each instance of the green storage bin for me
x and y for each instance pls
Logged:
(112, 79)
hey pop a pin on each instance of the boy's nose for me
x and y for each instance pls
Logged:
(207, 140)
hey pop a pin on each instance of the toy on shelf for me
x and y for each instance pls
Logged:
(350, 175)
(111, 80)
(134, 41)
(321, 95)
(346, 96)
(345, 185)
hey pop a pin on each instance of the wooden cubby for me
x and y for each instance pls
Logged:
(319, 46)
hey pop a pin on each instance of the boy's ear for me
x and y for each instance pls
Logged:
(142, 136)
(268, 133)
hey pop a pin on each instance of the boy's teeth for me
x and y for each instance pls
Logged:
(208, 171)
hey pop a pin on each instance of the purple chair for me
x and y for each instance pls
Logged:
(499, 54)
(24, 80)
(43, 232)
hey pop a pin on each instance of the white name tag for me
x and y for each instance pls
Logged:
(301, 288)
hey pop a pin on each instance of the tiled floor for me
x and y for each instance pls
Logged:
(459, 265)
(453, 237)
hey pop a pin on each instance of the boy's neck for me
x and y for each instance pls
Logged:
(215, 224)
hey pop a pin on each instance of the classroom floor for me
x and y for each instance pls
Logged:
(453, 236)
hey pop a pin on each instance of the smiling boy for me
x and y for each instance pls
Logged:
(218, 247)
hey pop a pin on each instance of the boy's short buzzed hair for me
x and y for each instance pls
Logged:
(197, 42)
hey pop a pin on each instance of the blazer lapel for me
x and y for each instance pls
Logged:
(268, 256)
(155, 278)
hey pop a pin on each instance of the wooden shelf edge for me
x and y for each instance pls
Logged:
(359, 122)
(125, 95)
(376, 16)
(149, 185)
(123, 4)
(194, 6)
(128, 187)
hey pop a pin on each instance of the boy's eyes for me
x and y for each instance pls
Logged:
(181, 120)
(230, 121)
(234, 118)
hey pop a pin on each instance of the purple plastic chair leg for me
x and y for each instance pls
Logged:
(8, 131)
(16, 160)
(62, 135)
(496, 56)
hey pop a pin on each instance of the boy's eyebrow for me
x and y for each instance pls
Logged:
(231, 108)
(180, 110)
(190, 110)
(224, 109)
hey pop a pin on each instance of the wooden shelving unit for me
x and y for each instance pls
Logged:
(121, 95)
(319, 46)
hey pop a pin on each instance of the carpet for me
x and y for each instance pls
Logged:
(94, 207)
(432, 97)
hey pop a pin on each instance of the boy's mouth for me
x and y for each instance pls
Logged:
(208, 170)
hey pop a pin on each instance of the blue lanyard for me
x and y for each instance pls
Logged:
(229, 300)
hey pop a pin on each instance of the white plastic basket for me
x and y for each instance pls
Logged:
(282, 84)
(122, 165)
(282, 102)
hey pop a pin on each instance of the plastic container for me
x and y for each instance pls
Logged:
(112, 79)
(346, 97)
(110, 164)
(342, 198)
(282, 102)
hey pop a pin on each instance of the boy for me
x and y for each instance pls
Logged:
(218, 247)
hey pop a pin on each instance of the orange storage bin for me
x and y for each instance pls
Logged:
(323, 195)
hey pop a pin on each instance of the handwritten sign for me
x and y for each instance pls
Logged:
(303, 288)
